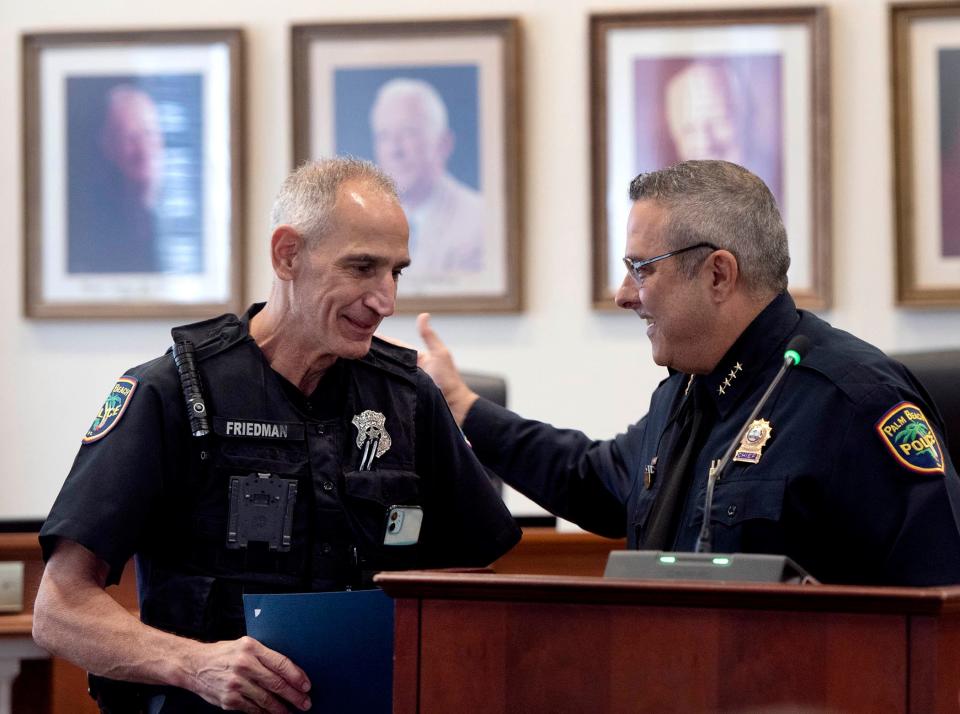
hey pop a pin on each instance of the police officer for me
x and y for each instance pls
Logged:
(283, 450)
(844, 469)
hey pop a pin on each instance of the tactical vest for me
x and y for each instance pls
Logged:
(339, 482)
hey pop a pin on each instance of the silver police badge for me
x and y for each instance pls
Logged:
(372, 437)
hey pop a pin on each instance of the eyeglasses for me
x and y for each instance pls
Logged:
(635, 266)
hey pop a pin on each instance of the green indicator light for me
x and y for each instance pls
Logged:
(792, 354)
(721, 561)
(667, 559)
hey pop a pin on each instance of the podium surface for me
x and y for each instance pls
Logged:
(533, 643)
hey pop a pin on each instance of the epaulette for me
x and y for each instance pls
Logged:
(388, 357)
(211, 336)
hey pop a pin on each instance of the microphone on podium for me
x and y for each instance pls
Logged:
(702, 564)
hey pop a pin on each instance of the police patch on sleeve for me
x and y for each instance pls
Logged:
(910, 438)
(113, 408)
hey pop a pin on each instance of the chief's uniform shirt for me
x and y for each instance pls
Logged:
(854, 481)
(134, 489)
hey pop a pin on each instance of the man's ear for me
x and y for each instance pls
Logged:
(724, 274)
(286, 251)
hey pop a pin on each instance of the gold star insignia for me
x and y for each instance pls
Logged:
(738, 367)
(726, 382)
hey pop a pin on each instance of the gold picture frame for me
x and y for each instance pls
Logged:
(438, 105)
(925, 50)
(133, 173)
(735, 61)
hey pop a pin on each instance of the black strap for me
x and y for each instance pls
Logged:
(682, 443)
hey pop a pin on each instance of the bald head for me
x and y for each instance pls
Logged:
(705, 113)
(411, 136)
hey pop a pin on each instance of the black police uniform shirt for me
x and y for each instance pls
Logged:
(853, 481)
(141, 484)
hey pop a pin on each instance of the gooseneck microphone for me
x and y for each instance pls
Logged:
(796, 350)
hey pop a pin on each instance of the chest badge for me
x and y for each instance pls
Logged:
(372, 437)
(752, 443)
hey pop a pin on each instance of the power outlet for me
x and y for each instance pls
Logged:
(11, 587)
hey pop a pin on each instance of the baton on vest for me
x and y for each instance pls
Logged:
(185, 359)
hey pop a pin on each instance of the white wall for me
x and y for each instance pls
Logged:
(565, 362)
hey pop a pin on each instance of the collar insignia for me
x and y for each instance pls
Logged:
(113, 408)
(752, 443)
(728, 382)
(910, 438)
(372, 437)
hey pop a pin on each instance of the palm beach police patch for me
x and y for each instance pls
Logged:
(113, 408)
(911, 439)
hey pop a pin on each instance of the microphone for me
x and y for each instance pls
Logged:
(796, 350)
(703, 564)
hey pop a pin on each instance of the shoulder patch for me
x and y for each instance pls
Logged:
(907, 433)
(113, 408)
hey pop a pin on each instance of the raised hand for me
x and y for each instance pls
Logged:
(437, 361)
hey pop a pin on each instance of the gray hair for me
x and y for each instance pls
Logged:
(721, 203)
(430, 100)
(307, 196)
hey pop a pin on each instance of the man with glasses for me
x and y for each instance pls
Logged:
(845, 468)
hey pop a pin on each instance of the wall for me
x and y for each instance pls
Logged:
(565, 362)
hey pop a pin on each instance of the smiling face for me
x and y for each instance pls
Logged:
(677, 309)
(347, 283)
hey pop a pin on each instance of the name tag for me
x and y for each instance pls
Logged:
(246, 429)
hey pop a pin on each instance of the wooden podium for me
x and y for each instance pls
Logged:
(533, 643)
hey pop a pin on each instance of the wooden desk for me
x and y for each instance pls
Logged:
(18, 653)
(42, 684)
(523, 643)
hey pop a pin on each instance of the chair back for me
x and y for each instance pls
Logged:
(488, 386)
(939, 373)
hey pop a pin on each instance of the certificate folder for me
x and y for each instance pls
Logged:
(342, 640)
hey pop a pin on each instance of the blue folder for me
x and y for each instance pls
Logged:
(342, 640)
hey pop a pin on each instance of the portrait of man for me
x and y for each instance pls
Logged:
(725, 107)
(949, 100)
(134, 189)
(421, 129)
(413, 142)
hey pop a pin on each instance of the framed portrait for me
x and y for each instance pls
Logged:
(133, 173)
(748, 86)
(437, 106)
(926, 96)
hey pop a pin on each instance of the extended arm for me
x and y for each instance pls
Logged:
(75, 618)
(566, 472)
